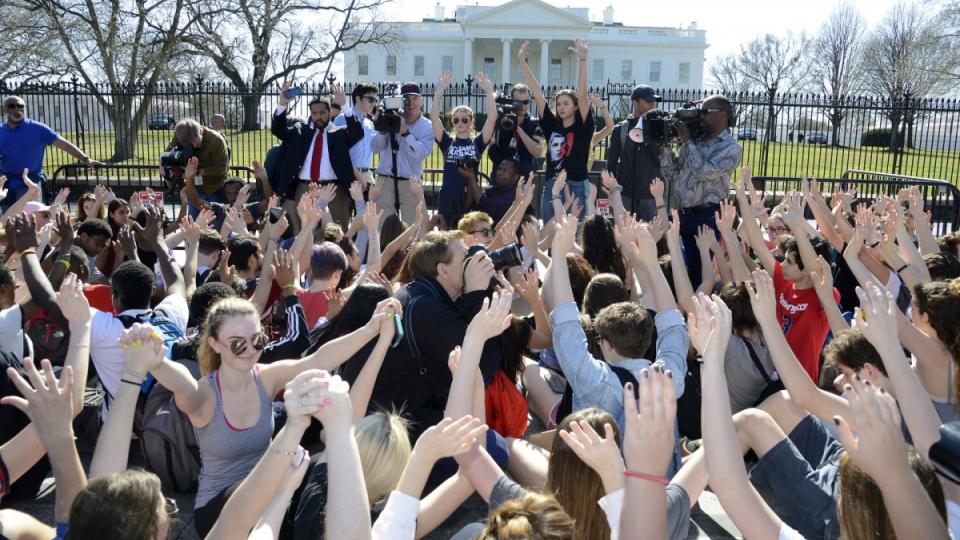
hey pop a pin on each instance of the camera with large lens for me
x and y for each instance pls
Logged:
(173, 163)
(507, 111)
(390, 118)
(662, 127)
(503, 258)
(467, 162)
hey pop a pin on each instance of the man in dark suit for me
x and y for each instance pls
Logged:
(315, 155)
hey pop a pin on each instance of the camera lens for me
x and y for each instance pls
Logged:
(506, 257)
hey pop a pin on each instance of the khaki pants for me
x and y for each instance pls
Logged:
(387, 197)
(339, 207)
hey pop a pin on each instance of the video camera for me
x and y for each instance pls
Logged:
(391, 114)
(661, 126)
(173, 163)
(503, 258)
(467, 162)
(507, 111)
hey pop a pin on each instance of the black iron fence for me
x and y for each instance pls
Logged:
(782, 134)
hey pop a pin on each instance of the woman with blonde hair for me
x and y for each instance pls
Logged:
(231, 406)
(460, 147)
(531, 517)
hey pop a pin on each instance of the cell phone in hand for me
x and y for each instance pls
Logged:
(291, 93)
(275, 214)
(398, 322)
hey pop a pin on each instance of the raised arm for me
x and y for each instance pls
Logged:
(928, 243)
(710, 331)
(490, 124)
(42, 295)
(754, 236)
(724, 220)
(362, 387)
(822, 276)
(803, 391)
(446, 79)
(530, 80)
(601, 106)
(681, 278)
(32, 194)
(579, 49)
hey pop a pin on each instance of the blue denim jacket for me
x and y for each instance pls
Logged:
(594, 383)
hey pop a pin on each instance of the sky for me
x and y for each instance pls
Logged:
(728, 24)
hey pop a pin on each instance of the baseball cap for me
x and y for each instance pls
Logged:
(410, 88)
(33, 207)
(644, 92)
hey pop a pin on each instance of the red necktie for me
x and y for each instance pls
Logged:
(315, 160)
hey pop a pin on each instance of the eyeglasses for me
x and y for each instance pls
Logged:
(778, 229)
(709, 111)
(170, 507)
(485, 232)
(372, 99)
(523, 101)
(460, 120)
(238, 345)
(15, 106)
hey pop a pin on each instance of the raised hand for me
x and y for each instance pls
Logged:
(565, 236)
(559, 184)
(701, 323)
(283, 268)
(579, 48)
(228, 272)
(259, 171)
(276, 230)
(530, 237)
(336, 409)
(527, 285)
(608, 180)
(704, 238)
(522, 53)
(371, 217)
(449, 438)
(127, 240)
(599, 453)
(446, 80)
(356, 191)
(32, 187)
(656, 189)
(243, 196)
(336, 91)
(484, 82)
(205, 218)
(46, 401)
(384, 310)
(302, 396)
(871, 434)
(143, 349)
(61, 196)
(763, 298)
(598, 102)
(493, 317)
(64, 229)
(282, 98)
(327, 193)
(877, 316)
(648, 439)
(335, 301)
(73, 303)
(726, 216)
(416, 188)
(822, 276)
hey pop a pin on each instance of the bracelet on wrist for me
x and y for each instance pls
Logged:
(659, 206)
(64, 262)
(902, 268)
(290, 286)
(28, 251)
(134, 383)
(874, 245)
(649, 477)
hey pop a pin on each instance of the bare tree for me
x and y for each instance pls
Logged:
(727, 78)
(258, 43)
(27, 50)
(775, 64)
(836, 62)
(903, 55)
(125, 43)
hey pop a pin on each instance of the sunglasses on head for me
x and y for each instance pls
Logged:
(460, 120)
(238, 345)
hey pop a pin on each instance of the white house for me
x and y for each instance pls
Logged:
(487, 38)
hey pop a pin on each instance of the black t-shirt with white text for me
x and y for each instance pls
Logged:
(567, 147)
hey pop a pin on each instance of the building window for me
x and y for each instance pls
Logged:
(418, 66)
(626, 70)
(363, 65)
(684, 74)
(555, 70)
(392, 65)
(654, 72)
(488, 63)
(597, 69)
(448, 63)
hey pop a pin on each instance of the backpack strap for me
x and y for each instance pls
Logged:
(623, 134)
(756, 361)
(623, 375)
(409, 336)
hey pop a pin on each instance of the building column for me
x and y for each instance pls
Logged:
(505, 72)
(467, 56)
(544, 62)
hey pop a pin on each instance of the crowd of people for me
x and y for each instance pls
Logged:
(340, 360)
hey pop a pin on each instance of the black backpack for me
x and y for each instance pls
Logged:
(168, 441)
(566, 402)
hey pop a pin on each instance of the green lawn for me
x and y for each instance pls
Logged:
(785, 159)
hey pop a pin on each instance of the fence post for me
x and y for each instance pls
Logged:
(77, 121)
(765, 149)
(906, 122)
(199, 92)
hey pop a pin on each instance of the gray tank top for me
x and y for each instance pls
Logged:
(229, 454)
(948, 411)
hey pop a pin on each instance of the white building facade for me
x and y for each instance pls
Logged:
(486, 39)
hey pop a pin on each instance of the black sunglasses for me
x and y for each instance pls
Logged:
(238, 345)
(15, 106)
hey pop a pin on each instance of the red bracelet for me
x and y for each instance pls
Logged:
(643, 476)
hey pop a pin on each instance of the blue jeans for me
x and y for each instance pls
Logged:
(577, 187)
(690, 221)
(217, 196)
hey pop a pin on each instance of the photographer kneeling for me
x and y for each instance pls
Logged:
(190, 139)
(461, 153)
(701, 172)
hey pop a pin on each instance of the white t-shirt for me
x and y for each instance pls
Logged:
(11, 330)
(788, 533)
(105, 330)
